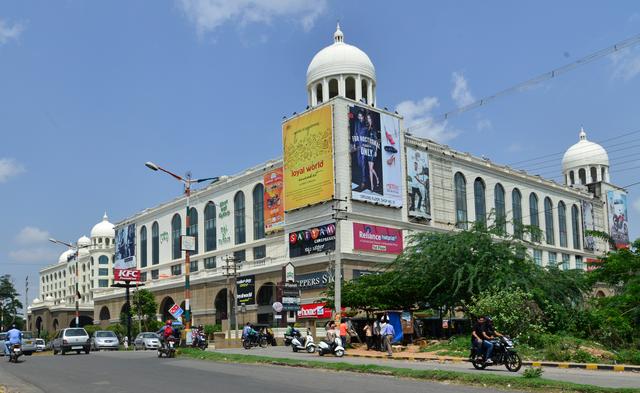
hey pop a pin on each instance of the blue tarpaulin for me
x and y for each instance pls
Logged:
(394, 319)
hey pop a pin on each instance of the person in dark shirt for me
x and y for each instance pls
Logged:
(480, 339)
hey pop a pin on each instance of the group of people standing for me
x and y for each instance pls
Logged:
(379, 334)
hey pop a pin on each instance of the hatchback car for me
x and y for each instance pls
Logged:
(3, 337)
(40, 345)
(104, 339)
(71, 339)
(28, 343)
(146, 340)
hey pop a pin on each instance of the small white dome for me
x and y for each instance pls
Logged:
(584, 153)
(103, 229)
(84, 241)
(64, 257)
(48, 299)
(339, 58)
(37, 301)
(62, 301)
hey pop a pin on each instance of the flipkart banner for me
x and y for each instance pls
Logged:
(308, 158)
(589, 225)
(273, 204)
(618, 219)
(376, 166)
(418, 183)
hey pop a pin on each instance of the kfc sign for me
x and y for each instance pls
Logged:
(315, 311)
(126, 275)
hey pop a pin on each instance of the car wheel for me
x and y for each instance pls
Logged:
(78, 352)
(62, 351)
(55, 352)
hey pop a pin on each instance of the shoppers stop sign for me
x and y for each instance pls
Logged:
(315, 311)
(126, 275)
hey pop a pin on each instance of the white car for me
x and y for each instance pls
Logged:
(146, 340)
(40, 345)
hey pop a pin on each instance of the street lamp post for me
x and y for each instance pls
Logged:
(187, 182)
(76, 250)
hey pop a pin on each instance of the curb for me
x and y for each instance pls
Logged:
(442, 359)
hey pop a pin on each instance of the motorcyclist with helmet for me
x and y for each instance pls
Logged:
(14, 336)
(165, 333)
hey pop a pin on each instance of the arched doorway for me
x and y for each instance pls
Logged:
(600, 294)
(266, 298)
(55, 325)
(105, 315)
(83, 320)
(165, 305)
(39, 325)
(220, 305)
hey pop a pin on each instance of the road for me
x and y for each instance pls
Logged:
(141, 371)
(598, 378)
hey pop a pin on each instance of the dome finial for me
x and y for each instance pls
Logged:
(105, 217)
(583, 135)
(338, 36)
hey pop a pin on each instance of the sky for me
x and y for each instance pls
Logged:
(89, 91)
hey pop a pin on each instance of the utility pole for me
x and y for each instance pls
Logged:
(26, 303)
(230, 268)
(338, 255)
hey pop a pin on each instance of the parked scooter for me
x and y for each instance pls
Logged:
(335, 347)
(168, 349)
(199, 341)
(306, 344)
(15, 352)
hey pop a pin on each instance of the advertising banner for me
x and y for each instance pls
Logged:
(376, 166)
(290, 296)
(125, 257)
(273, 204)
(246, 290)
(225, 223)
(126, 275)
(314, 311)
(618, 218)
(308, 158)
(176, 311)
(367, 237)
(418, 183)
(315, 280)
(312, 241)
(588, 224)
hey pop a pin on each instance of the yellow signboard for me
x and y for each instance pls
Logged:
(308, 158)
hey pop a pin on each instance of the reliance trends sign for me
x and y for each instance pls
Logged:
(312, 241)
(367, 237)
(125, 257)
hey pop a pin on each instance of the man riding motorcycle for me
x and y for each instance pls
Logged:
(165, 333)
(249, 333)
(14, 336)
(480, 339)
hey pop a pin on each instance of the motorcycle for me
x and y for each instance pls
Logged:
(306, 344)
(15, 352)
(503, 353)
(253, 341)
(168, 348)
(199, 341)
(335, 347)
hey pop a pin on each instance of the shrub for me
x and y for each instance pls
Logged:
(582, 356)
(210, 329)
(628, 356)
(532, 372)
(557, 353)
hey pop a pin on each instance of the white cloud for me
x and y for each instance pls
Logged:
(515, 148)
(208, 15)
(9, 168)
(8, 32)
(626, 64)
(32, 235)
(418, 113)
(461, 93)
(484, 124)
(636, 205)
(38, 254)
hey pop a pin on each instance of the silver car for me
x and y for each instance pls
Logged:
(146, 340)
(3, 337)
(71, 339)
(40, 345)
(104, 339)
(28, 343)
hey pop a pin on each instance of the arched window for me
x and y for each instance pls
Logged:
(516, 206)
(258, 211)
(176, 228)
(533, 217)
(143, 246)
(155, 244)
(193, 227)
(562, 223)
(594, 174)
(319, 93)
(210, 227)
(350, 88)
(572, 178)
(365, 91)
(582, 175)
(333, 88)
(575, 226)
(238, 218)
(548, 221)
(501, 214)
(461, 200)
(102, 260)
(480, 201)
(602, 172)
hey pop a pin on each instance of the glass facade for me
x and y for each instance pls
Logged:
(239, 218)
(480, 201)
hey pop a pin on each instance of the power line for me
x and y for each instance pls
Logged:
(629, 42)
(632, 184)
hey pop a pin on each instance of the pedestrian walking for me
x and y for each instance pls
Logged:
(368, 334)
(387, 335)
(125, 343)
(343, 332)
(377, 339)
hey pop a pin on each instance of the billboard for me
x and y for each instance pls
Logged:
(312, 241)
(367, 237)
(418, 183)
(376, 167)
(125, 257)
(273, 204)
(315, 311)
(618, 218)
(588, 224)
(126, 275)
(308, 158)
(246, 290)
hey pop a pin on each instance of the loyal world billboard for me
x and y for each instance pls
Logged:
(273, 203)
(367, 237)
(376, 166)
(312, 241)
(418, 183)
(308, 158)
(125, 257)
(618, 218)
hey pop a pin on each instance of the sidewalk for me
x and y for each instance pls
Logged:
(423, 356)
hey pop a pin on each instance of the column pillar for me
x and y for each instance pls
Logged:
(359, 88)
(314, 96)
(370, 97)
(341, 87)
(325, 89)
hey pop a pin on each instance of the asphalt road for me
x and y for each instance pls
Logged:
(115, 372)
(599, 378)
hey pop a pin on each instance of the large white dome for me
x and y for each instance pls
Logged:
(103, 229)
(339, 58)
(64, 257)
(584, 153)
(84, 241)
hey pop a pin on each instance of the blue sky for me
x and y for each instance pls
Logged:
(89, 91)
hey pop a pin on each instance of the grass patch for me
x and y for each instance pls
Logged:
(475, 379)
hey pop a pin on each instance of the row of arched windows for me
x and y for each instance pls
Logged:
(210, 231)
(480, 204)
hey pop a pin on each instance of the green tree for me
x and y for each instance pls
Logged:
(145, 307)
(9, 302)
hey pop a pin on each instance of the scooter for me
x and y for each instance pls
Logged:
(200, 341)
(168, 348)
(298, 344)
(15, 352)
(336, 348)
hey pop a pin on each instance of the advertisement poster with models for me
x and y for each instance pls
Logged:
(308, 158)
(125, 257)
(589, 225)
(418, 183)
(273, 204)
(376, 167)
(618, 219)
(367, 237)
(312, 241)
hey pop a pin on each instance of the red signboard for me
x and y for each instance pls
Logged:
(367, 237)
(314, 311)
(593, 264)
(126, 275)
